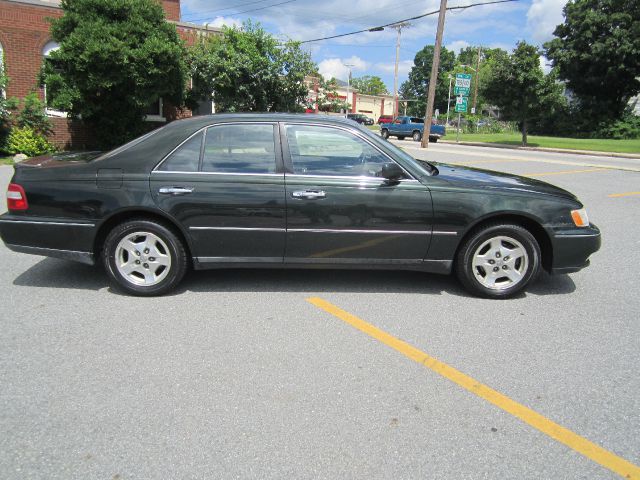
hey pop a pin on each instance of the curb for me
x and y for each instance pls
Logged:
(544, 149)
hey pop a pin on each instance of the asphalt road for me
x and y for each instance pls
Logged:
(238, 375)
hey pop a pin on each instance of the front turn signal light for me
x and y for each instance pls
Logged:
(580, 217)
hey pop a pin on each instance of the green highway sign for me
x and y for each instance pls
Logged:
(461, 104)
(463, 84)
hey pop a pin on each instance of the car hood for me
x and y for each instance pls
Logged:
(468, 177)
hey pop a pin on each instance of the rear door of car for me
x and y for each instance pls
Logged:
(225, 185)
(339, 208)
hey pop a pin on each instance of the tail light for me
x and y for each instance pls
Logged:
(16, 198)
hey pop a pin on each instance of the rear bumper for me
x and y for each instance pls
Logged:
(82, 257)
(571, 249)
(58, 238)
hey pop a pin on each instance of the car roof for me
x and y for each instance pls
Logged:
(162, 141)
(204, 120)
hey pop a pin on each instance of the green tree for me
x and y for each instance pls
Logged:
(370, 85)
(33, 115)
(467, 62)
(415, 87)
(116, 58)
(521, 89)
(597, 52)
(328, 98)
(247, 69)
(7, 106)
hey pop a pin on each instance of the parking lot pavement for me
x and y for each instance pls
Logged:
(238, 375)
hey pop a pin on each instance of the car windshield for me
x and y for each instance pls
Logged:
(423, 164)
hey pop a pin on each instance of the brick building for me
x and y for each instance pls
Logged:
(25, 40)
(373, 106)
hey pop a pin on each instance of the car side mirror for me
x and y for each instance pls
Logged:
(392, 172)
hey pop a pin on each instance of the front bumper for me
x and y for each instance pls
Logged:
(572, 248)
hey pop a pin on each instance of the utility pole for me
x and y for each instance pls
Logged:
(433, 80)
(348, 65)
(398, 27)
(475, 90)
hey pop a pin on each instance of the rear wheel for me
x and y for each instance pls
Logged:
(384, 133)
(417, 136)
(144, 257)
(498, 260)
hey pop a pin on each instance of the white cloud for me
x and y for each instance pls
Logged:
(404, 67)
(457, 46)
(337, 67)
(543, 17)
(228, 21)
(545, 64)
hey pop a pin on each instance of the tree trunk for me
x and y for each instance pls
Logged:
(524, 132)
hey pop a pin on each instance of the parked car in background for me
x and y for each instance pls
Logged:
(289, 191)
(360, 118)
(385, 119)
(403, 127)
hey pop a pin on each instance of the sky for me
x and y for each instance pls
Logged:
(373, 53)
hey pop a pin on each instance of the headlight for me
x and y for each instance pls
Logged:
(580, 217)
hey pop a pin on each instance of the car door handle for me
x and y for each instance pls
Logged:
(309, 194)
(175, 190)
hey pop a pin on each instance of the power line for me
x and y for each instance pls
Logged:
(225, 8)
(381, 27)
(251, 10)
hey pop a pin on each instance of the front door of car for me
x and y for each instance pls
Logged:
(339, 207)
(226, 187)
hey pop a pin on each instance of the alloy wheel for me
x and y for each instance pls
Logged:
(143, 258)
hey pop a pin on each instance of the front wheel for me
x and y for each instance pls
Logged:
(144, 257)
(384, 133)
(498, 260)
(417, 136)
(433, 139)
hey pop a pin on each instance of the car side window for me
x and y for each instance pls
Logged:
(317, 150)
(185, 158)
(240, 148)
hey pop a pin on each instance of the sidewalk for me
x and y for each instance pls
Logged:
(544, 149)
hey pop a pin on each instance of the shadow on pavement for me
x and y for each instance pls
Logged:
(53, 273)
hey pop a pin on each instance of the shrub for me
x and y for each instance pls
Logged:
(627, 127)
(26, 140)
(33, 115)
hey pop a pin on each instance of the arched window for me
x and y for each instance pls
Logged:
(50, 47)
(46, 51)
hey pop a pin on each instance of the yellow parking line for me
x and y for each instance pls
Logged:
(572, 440)
(626, 194)
(564, 172)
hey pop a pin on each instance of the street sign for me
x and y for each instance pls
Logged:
(463, 84)
(461, 104)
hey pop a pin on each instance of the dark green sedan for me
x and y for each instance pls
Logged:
(289, 191)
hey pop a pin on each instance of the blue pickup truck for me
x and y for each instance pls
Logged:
(413, 127)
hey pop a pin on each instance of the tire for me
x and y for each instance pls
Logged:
(144, 258)
(417, 136)
(400, 137)
(433, 139)
(384, 133)
(486, 249)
